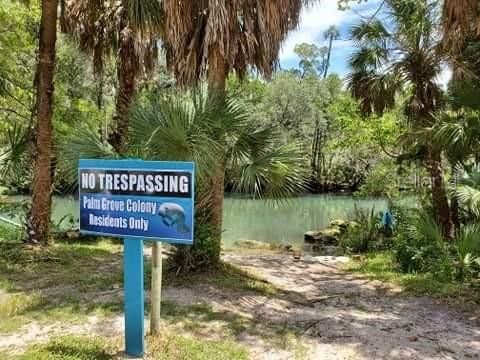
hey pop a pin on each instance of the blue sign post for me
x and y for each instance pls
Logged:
(137, 200)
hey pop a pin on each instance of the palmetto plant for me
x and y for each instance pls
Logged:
(457, 132)
(15, 166)
(467, 193)
(128, 29)
(203, 129)
(467, 248)
(401, 55)
(211, 131)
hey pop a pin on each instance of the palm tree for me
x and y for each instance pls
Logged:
(200, 128)
(206, 130)
(127, 28)
(39, 221)
(332, 33)
(398, 54)
(212, 38)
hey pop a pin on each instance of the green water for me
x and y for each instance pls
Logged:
(261, 220)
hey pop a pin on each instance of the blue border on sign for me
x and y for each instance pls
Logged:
(137, 164)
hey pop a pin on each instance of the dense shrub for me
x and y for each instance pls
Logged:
(364, 232)
(420, 247)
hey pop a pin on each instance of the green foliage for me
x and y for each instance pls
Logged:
(383, 266)
(313, 59)
(382, 180)
(467, 193)
(364, 234)
(15, 167)
(69, 348)
(467, 249)
(420, 245)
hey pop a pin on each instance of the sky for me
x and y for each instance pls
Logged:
(315, 19)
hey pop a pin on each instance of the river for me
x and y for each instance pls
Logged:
(262, 220)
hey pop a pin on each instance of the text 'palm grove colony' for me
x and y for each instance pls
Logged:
(98, 186)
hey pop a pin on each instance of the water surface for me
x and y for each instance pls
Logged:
(281, 224)
(261, 220)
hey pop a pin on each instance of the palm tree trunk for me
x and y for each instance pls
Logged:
(327, 64)
(439, 194)
(127, 78)
(42, 181)
(216, 84)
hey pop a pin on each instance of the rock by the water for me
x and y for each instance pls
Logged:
(311, 236)
(328, 236)
(339, 223)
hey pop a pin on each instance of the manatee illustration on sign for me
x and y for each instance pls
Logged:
(173, 214)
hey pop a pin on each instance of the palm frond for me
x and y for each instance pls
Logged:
(14, 162)
(458, 134)
(460, 18)
(82, 143)
(467, 193)
(275, 173)
(426, 228)
(175, 129)
(242, 33)
(468, 241)
(367, 33)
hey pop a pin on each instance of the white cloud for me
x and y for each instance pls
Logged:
(314, 20)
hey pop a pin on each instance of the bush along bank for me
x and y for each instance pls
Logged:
(415, 253)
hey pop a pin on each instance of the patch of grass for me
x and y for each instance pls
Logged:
(174, 347)
(289, 339)
(10, 324)
(70, 348)
(165, 347)
(199, 320)
(12, 306)
(64, 282)
(381, 266)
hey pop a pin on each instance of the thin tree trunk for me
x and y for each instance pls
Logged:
(42, 182)
(127, 75)
(156, 288)
(327, 65)
(439, 194)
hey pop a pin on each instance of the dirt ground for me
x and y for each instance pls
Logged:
(333, 315)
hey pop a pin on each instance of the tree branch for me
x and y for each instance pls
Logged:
(15, 112)
(388, 153)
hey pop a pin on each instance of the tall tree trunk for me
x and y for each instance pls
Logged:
(327, 65)
(217, 76)
(439, 194)
(42, 181)
(127, 71)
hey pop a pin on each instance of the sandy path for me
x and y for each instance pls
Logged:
(336, 316)
(343, 316)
